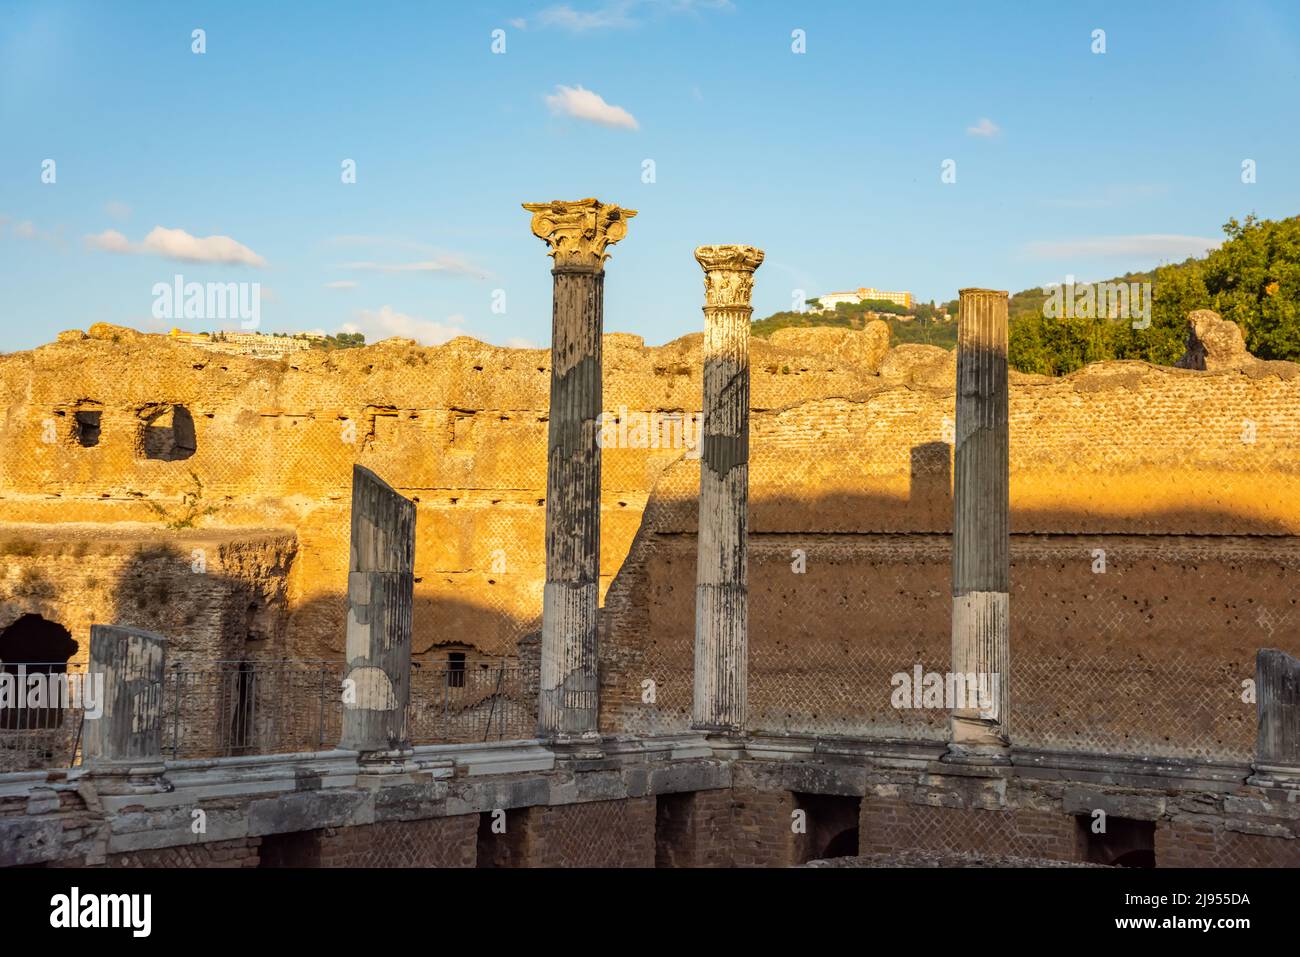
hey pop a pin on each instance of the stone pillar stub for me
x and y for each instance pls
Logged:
(1277, 701)
(720, 695)
(127, 735)
(577, 234)
(381, 584)
(981, 542)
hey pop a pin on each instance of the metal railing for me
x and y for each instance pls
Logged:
(45, 736)
(223, 708)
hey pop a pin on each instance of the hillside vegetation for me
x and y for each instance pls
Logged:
(1253, 279)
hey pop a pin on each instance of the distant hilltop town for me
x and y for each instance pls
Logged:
(259, 345)
(832, 299)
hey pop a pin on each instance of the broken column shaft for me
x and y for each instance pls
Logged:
(1277, 696)
(381, 583)
(578, 233)
(721, 598)
(981, 562)
(129, 663)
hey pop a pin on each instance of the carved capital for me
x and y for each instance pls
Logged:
(728, 273)
(579, 231)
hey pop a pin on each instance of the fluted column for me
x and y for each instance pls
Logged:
(577, 233)
(981, 562)
(381, 585)
(721, 599)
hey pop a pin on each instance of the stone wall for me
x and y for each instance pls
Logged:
(461, 429)
(849, 440)
(215, 593)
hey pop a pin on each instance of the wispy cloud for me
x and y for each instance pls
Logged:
(1115, 195)
(118, 210)
(342, 284)
(1145, 246)
(386, 322)
(178, 245)
(450, 264)
(985, 127)
(579, 21)
(26, 229)
(586, 105)
(621, 14)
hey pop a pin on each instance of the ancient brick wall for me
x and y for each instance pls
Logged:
(593, 834)
(761, 831)
(215, 594)
(459, 428)
(694, 829)
(241, 852)
(889, 826)
(1211, 844)
(847, 441)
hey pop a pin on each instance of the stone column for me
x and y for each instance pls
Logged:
(578, 233)
(126, 676)
(1277, 700)
(981, 558)
(381, 581)
(721, 599)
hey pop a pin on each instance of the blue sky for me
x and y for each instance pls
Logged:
(1068, 162)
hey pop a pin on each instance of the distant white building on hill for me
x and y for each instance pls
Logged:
(831, 299)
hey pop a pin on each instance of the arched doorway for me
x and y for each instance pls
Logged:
(34, 645)
(843, 844)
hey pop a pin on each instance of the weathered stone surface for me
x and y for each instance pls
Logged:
(577, 234)
(1277, 690)
(865, 348)
(721, 656)
(129, 661)
(922, 365)
(1213, 343)
(981, 540)
(380, 585)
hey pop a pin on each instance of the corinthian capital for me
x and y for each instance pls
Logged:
(728, 273)
(579, 231)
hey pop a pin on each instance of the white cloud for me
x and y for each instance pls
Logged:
(110, 241)
(25, 230)
(1146, 246)
(985, 127)
(454, 265)
(565, 17)
(519, 23)
(386, 322)
(118, 210)
(177, 244)
(342, 284)
(583, 104)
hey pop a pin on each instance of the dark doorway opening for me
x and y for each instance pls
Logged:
(1123, 843)
(34, 645)
(830, 823)
(501, 838)
(87, 424)
(169, 434)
